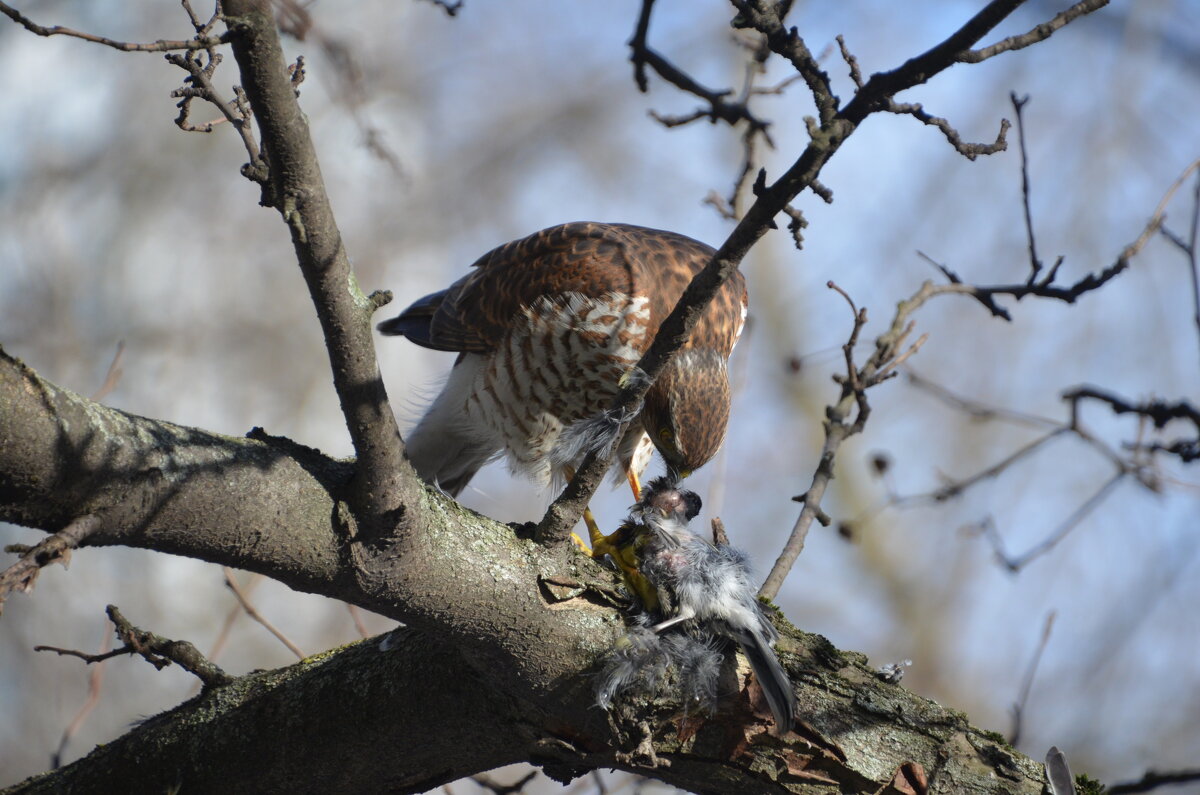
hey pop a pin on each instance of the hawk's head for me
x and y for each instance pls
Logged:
(687, 410)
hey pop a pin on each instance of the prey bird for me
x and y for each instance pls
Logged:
(696, 587)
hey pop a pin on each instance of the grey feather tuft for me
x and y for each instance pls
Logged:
(598, 433)
(1058, 773)
(638, 660)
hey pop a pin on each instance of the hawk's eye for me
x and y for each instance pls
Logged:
(665, 435)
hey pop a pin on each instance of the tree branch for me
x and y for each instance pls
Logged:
(166, 487)
(297, 191)
(161, 45)
(1159, 412)
(56, 548)
(858, 731)
(847, 417)
(489, 643)
(719, 109)
(1038, 33)
(155, 649)
(506, 650)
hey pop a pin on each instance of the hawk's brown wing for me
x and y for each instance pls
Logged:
(475, 313)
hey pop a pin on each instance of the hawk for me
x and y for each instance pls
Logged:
(546, 327)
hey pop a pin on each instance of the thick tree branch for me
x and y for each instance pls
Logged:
(858, 731)
(263, 505)
(297, 190)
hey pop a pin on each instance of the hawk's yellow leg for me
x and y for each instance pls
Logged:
(620, 545)
(634, 484)
(593, 531)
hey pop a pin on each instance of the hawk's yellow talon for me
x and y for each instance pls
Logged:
(622, 546)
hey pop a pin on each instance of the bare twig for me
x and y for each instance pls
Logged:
(95, 685)
(155, 649)
(1193, 256)
(1033, 36)
(1153, 780)
(231, 617)
(1045, 287)
(161, 45)
(851, 61)
(296, 20)
(1134, 465)
(112, 376)
(200, 77)
(846, 418)
(1035, 264)
(883, 364)
(505, 789)
(251, 611)
(1014, 563)
(1189, 250)
(451, 7)
(975, 408)
(954, 488)
(55, 548)
(1159, 412)
(720, 537)
(968, 150)
(718, 108)
(1018, 708)
(356, 617)
(796, 225)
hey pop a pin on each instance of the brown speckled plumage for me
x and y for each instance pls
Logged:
(546, 325)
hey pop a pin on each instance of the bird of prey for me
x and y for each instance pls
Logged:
(703, 589)
(546, 327)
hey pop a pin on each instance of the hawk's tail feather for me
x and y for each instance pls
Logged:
(416, 324)
(445, 459)
(446, 449)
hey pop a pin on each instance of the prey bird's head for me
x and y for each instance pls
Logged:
(663, 499)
